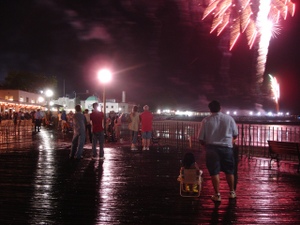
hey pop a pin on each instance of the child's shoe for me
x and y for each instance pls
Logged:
(195, 188)
(187, 188)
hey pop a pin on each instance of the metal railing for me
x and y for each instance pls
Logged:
(252, 139)
(18, 132)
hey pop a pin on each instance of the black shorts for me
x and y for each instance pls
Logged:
(219, 158)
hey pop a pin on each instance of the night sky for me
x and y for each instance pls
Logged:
(161, 52)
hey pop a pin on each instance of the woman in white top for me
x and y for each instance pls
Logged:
(134, 121)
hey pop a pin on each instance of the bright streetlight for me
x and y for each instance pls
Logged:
(104, 76)
(49, 94)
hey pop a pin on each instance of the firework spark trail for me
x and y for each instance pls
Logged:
(266, 21)
(239, 16)
(275, 90)
(264, 26)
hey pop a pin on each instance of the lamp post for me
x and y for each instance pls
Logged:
(104, 75)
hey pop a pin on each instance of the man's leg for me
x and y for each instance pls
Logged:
(80, 147)
(74, 146)
(94, 144)
(144, 142)
(147, 143)
(90, 132)
(230, 181)
(216, 183)
(101, 143)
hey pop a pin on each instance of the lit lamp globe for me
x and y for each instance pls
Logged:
(49, 93)
(104, 76)
(41, 99)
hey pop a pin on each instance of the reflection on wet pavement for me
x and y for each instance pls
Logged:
(39, 184)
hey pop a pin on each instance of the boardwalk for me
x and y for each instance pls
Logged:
(40, 185)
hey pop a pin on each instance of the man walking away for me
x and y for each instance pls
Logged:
(217, 133)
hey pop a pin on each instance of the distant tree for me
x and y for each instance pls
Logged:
(28, 81)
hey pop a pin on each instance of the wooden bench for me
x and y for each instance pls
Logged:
(279, 148)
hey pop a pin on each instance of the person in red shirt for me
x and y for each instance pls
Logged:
(96, 118)
(146, 119)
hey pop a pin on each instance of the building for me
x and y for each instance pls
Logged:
(111, 104)
(17, 100)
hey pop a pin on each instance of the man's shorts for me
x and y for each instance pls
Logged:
(219, 158)
(146, 134)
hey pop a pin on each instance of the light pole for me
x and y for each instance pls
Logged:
(104, 75)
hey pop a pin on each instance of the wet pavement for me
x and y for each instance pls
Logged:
(39, 184)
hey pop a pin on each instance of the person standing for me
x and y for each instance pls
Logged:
(117, 127)
(88, 125)
(146, 118)
(64, 121)
(59, 121)
(38, 116)
(97, 120)
(218, 132)
(78, 133)
(134, 122)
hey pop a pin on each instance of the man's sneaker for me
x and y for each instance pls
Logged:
(147, 148)
(232, 194)
(144, 148)
(216, 197)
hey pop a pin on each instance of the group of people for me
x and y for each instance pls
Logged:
(113, 127)
(145, 119)
(65, 121)
(217, 134)
(93, 125)
(80, 127)
(37, 118)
